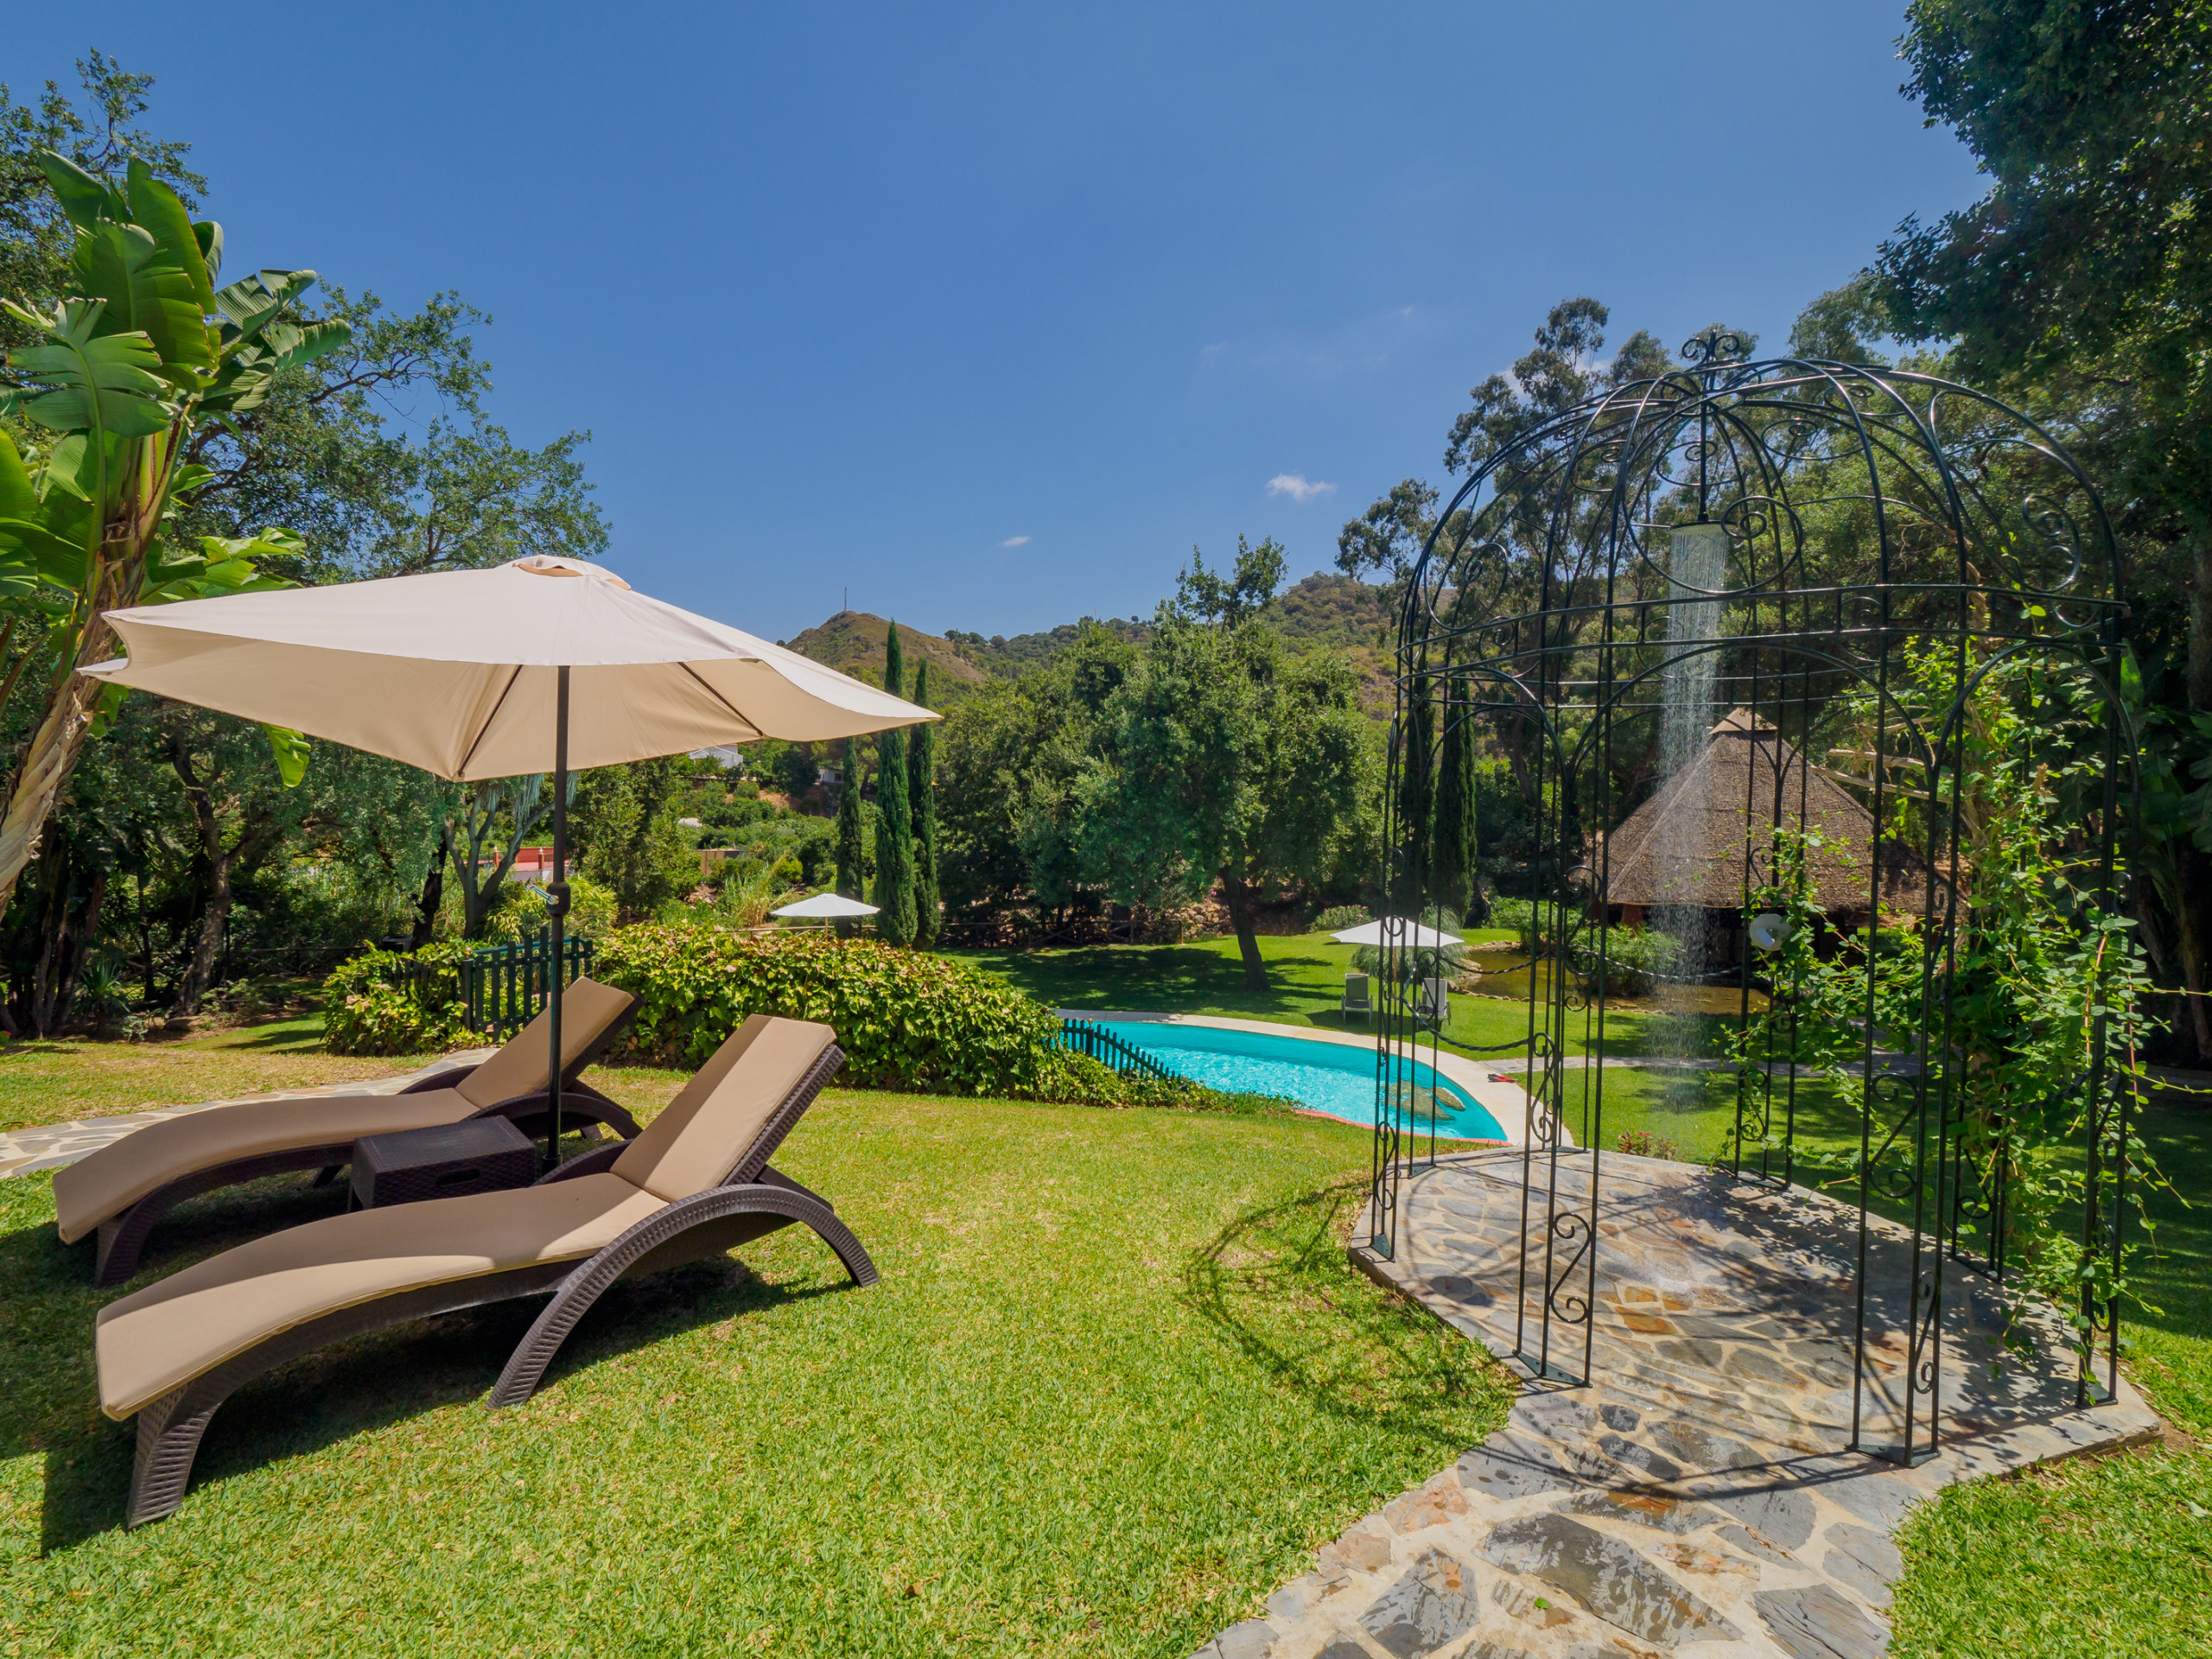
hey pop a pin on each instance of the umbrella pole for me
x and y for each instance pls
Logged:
(556, 903)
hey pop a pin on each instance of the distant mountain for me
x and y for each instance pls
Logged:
(1325, 609)
(1017, 655)
(853, 641)
(1331, 609)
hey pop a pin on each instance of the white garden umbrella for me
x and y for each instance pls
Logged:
(1396, 931)
(534, 666)
(829, 906)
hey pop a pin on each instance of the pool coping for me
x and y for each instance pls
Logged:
(1508, 1103)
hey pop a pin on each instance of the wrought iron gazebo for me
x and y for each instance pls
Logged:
(1839, 569)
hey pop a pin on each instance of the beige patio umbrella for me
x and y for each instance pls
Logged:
(539, 665)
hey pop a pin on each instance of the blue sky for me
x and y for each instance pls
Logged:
(990, 313)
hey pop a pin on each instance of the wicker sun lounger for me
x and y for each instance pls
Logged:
(122, 1190)
(694, 1184)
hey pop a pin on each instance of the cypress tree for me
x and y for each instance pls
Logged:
(1413, 878)
(852, 853)
(1452, 855)
(894, 828)
(921, 777)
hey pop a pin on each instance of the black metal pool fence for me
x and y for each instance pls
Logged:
(505, 987)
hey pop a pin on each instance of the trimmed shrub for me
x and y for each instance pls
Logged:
(1642, 1143)
(1338, 917)
(1521, 916)
(906, 1019)
(1078, 1080)
(372, 1005)
(1635, 962)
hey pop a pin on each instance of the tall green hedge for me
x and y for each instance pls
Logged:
(387, 1002)
(906, 1019)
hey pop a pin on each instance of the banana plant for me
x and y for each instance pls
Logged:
(144, 355)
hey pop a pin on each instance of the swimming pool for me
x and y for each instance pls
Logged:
(1333, 1078)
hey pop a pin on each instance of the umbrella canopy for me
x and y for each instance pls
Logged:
(828, 906)
(1395, 930)
(458, 672)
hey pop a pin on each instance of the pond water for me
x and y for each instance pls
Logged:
(1504, 973)
(1333, 1078)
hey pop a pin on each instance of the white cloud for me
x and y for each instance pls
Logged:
(1015, 540)
(1298, 488)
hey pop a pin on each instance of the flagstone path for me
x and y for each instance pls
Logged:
(49, 1146)
(1700, 1499)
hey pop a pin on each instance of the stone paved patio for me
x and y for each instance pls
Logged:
(1699, 1500)
(49, 1146)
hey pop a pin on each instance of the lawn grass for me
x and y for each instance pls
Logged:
(51, 1081)
(1306, 973)
(1117, 1382)
(2110, 1557)
(1122, 1383)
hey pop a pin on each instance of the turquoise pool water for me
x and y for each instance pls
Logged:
(1332, 1077)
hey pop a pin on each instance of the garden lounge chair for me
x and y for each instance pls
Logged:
(694, 1184)
(1357, 999)
(1434, 1006)
(122, 1190)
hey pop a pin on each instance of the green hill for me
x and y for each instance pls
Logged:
(853, 641)
(1325, 610)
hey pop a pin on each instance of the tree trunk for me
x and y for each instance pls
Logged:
(1239, 899)
(62, 926)
(2192, 898)
(53, 754)
(199, 972)
(433, 895)
(2200, 628)
(2190, 946)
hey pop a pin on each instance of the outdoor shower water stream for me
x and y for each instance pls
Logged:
(1697, 567)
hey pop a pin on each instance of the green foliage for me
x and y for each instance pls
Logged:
(624, 822)
(852, 854)
(1452, 848)
(386, 1003)
(1340, 918)
(1634, 960)
(1214, 601)
(1008, 762)
(487, 825)
(1410, 868)
(2038, 984)
(1643, 1143)
(1025, 654)
(921, 753)
(1077, 1079)
(1223, 759)
(1534, 920)
(519, 912)
(893, 895)
(907, 1020)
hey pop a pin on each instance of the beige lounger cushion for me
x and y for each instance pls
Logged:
(587, 1008)
(111, 1181)
(190, 1322)
(115, 1177)
(685, 1150)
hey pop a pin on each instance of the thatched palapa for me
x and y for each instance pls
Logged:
(1688, 844)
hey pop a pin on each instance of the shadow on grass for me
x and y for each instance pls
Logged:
(49, 1391)
(1155, 978)
(278, 1036)
(1276, 1282)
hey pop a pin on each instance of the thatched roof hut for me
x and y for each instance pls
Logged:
(1687, 845)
